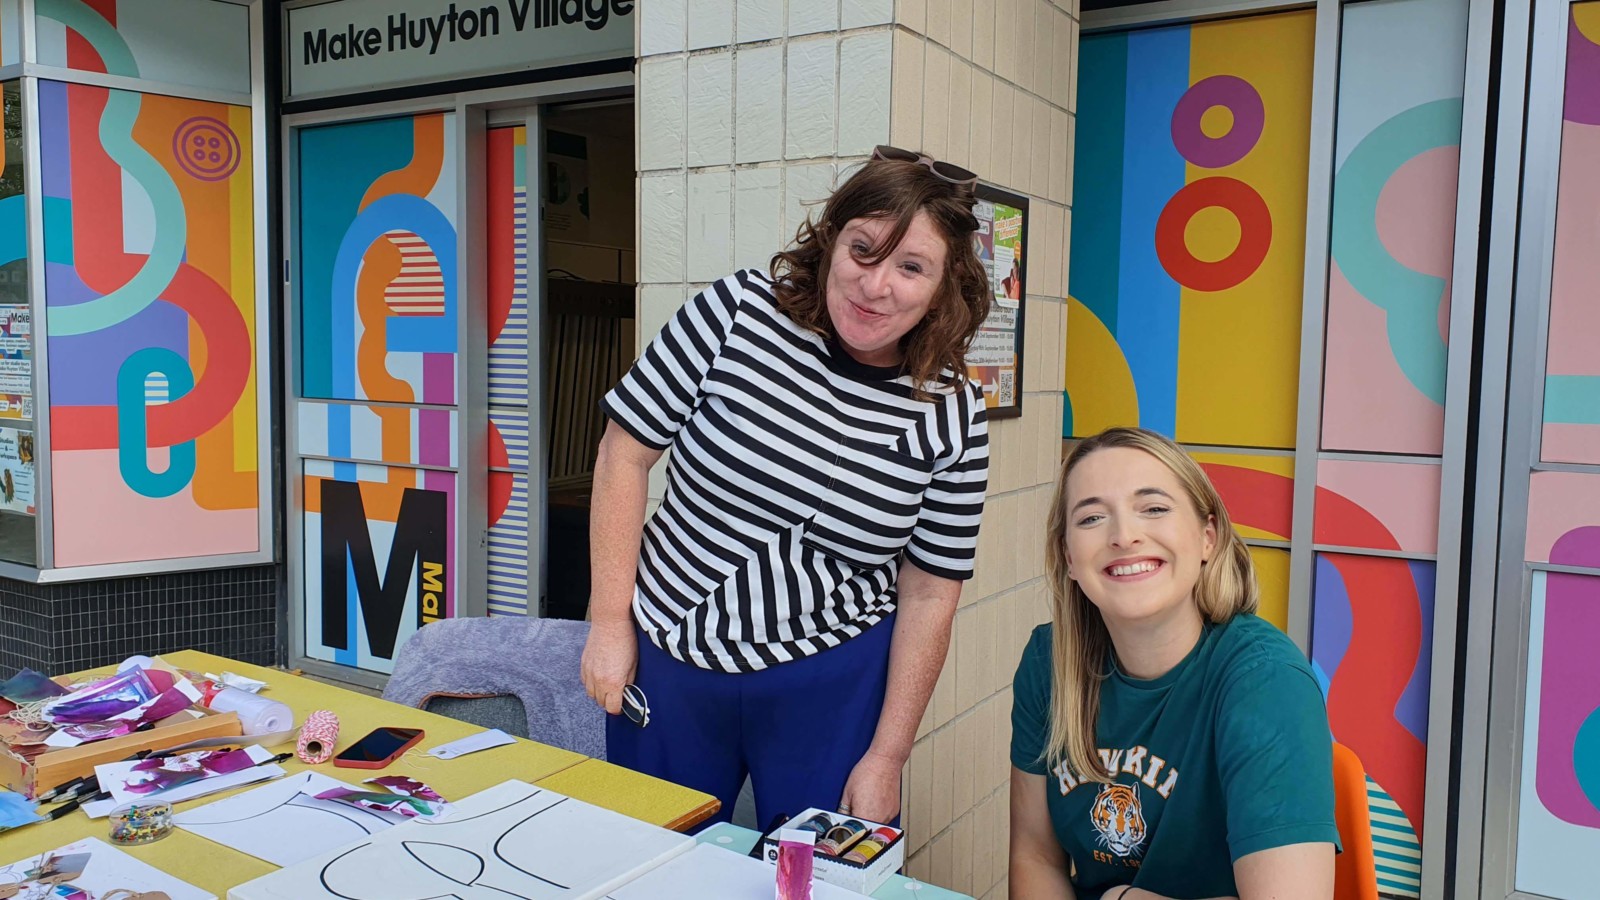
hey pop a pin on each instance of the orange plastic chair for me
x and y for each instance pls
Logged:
(1355, 873)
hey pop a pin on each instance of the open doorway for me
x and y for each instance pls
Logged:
(589, 266)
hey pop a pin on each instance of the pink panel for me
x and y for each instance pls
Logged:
(1568, 442)
(1572, 410)
(1403, 496)
(1559, 502)
(91, 479)
(1367, 402)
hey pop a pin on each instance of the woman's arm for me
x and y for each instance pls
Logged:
(1290, 872)
(916, 654)
(616, 525)
(1038, 864)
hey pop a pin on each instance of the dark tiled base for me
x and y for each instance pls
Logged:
(58, 628)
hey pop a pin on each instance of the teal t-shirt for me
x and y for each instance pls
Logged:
(1227, 754)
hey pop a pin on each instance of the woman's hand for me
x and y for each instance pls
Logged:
(872, 791)
(610, 657)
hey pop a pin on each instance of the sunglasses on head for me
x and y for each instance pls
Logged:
(965, 179)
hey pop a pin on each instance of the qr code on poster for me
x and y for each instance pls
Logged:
(1008, 387)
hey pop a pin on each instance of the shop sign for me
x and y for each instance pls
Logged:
(348, 46)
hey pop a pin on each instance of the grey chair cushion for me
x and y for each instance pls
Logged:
(533, 661)
(501, 711)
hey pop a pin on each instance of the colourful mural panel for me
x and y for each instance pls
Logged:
(1402, 497)
(1272, 574)
(377, 312)
(1558, 503)
(1558, 821)
(151, 317)
(1257, 489)
(506, 175)
(1572, 368)
(366, 434)
(379, 558)
(378, 268)
(1188, 230)
(210, 50)
(1401, 73)
(1371, 649)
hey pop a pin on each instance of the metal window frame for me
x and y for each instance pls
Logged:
(1536, 32)
(476, 112)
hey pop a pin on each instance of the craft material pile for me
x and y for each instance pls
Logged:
(38, 714)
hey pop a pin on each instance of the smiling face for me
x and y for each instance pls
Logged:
(1134, 539)
(873, 305)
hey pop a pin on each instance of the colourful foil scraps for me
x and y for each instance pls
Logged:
(28, 686)
(407, 786)
(171, 702)
(151, 776)
(103, 700)
(409, 797)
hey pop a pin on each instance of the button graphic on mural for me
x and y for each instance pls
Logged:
(206, 148)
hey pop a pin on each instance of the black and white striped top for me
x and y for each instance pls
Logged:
(797, 477)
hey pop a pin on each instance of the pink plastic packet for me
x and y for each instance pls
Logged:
(794, 863)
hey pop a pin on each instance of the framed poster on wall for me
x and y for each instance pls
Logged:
(995, 358)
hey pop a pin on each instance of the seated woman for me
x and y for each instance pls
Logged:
(1166, 742)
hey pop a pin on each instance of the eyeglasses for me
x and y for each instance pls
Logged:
(965, 179)
(635, 706)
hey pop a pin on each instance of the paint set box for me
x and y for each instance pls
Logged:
(852, 853)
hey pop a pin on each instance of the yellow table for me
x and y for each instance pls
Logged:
(217, 868)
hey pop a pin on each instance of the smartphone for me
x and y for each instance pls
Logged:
(379, 748)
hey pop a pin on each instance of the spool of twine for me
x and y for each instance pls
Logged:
(317, 737)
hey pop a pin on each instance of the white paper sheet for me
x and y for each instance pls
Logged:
(284, 823)
(711, 871)
(102, 808)
(109, 868)
(511, 840)
(119, 777)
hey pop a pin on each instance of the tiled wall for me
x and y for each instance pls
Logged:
(991, 86)
(59, 628)
(748, 110)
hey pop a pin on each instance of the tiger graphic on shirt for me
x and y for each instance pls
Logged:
(1118, 820)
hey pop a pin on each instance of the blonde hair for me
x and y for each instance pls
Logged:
(1227, 587)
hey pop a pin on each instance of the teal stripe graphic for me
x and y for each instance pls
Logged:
(1572, 399)
(116, 135)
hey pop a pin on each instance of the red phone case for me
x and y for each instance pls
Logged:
(378, 763)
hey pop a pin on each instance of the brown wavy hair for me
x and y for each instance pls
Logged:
(897, 191)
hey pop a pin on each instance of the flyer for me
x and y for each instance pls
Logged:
(995, 357)
(16, 470)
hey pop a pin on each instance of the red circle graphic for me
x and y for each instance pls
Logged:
(1255, 234)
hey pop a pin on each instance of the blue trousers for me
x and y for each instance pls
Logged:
(797, 728)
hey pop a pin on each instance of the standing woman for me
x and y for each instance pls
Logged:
(1166, 742)
(786, 611)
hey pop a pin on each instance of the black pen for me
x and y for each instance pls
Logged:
(63, 788)
(276, 759)
(60, 811)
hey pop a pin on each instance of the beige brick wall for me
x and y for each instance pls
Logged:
(990, 85)
(742, 124)
(748, 110)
